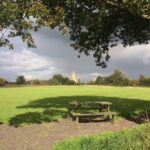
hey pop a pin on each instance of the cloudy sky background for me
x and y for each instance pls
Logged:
(54, 55)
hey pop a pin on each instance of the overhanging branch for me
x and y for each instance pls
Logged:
(123, 6)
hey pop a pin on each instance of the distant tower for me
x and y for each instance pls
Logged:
(74, 77)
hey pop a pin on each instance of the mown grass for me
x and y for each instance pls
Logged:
(27, 105)
(129, 139)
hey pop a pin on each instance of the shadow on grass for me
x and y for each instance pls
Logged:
(54, 108)
(36, 117)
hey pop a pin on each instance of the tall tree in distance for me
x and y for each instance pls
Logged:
(20, 80)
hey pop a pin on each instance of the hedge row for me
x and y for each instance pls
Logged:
(129, 139)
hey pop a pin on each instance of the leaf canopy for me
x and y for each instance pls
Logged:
(94, 25)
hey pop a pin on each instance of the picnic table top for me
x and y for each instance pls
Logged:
(90, 102)
(93, 113)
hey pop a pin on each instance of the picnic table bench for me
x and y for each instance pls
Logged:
(103, 107)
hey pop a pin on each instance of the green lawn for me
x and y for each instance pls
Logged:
(27, 105)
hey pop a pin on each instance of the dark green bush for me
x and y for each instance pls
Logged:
(60, 80)
(20, 80)
(3, 81)
(131, 139)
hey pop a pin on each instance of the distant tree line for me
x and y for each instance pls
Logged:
(55, 80)
(117, 78)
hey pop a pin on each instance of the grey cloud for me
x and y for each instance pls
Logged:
(54, 55)
(25, 62)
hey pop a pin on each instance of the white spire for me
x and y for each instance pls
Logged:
(74, 77)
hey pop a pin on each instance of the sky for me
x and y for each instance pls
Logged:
(54, 55)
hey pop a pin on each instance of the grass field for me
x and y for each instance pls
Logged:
(27, 105)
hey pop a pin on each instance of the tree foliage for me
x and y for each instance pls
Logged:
(20, 80)
(143, 81)
(3, 81)
(94, 25)
(61, 80)
(117, 78)
(19, 18)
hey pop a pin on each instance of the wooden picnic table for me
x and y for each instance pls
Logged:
(102, 106)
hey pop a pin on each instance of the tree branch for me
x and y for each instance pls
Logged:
(145, 16)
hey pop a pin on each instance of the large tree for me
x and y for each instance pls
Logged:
(94, 25)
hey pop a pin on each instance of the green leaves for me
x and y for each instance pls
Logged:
(94, 26)
(19, 18)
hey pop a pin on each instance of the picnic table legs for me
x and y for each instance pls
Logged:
(104, 108)
(113, 119)
(77, 119)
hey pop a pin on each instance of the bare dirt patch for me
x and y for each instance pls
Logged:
(43, 136)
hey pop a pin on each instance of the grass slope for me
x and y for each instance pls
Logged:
(128, 139)
(28, 105)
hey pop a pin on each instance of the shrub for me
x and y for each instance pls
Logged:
(60, 80)
(20, 80)
(35, 82)
(3, 81)
(131, 139)
(143, 81)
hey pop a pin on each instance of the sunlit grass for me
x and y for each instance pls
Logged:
(49, 103)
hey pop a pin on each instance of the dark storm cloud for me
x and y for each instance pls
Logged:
(54, 55)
